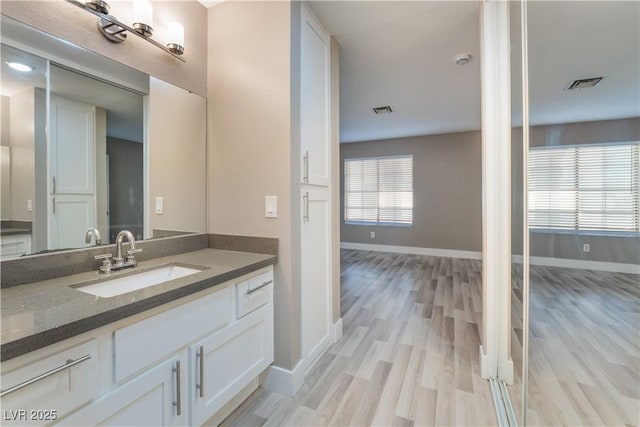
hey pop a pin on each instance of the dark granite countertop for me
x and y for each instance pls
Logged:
(38, 314)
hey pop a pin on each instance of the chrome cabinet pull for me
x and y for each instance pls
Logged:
(201, 385)
(54, 185)
(178, 401)
(267, 283)
(305, 160)
(54, 205)
(40, 377)
(305, 214)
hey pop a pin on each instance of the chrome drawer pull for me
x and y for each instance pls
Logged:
(178, 402)
(201, 385)
(305, 160)
(67, 365)
(259, 287)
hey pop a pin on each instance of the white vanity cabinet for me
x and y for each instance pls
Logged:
(44, 389)
(156, 397)
(15, 246)
(182, 365)
(227, 361)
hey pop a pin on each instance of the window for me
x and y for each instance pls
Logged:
(585, 187)
(379, 190)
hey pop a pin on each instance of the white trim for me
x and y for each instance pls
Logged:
(288, 382)
(449, 253)
(336, 330)
(496, 188)
(614, 267)
(284, 381)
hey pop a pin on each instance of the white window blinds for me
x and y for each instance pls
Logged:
(379, 190)
(587, 187)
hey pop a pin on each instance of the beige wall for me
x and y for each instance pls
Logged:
(623, 249)
(22, 107)
(5, 160)
(5, 117)
(68, 22)
(177, 127)
(447, 188)
(249, 141)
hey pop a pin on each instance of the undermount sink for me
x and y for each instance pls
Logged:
(111, 287)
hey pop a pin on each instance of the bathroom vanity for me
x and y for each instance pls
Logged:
(175, 353)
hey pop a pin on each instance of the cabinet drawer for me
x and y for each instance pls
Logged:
(143, 343)
(51, 387)
(253, 293)
(15, 246)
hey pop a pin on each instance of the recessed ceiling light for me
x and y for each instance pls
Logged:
(18, 66)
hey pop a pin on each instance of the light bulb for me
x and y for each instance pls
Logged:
(143, 17)
(176, 33)
(176, 38)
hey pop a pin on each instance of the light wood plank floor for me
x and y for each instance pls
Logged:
(408, 357)
(584, 359)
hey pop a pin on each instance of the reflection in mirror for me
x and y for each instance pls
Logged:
(95, 160)
(517, 211)
(23, 112)
(94, 98)
(584, 215)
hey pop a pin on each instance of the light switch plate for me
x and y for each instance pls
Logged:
(159, 205)
(29, 205)
(271, 206)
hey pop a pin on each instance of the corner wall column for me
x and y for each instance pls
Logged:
(495, 360)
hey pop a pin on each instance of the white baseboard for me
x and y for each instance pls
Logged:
(288, 382)
(284, 381)
(449, 253)
(336, 331)
(486, 370)
(615, 267)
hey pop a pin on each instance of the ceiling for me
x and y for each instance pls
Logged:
(402, 54)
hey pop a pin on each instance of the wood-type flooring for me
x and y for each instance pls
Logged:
(408, 356)
(584, 338)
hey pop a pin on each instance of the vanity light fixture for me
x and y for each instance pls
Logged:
(143, 17)
(19, 66)
(116, 31)
(176, 35)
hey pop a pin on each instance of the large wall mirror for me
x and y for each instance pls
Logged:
(576, 177)
(93, 148)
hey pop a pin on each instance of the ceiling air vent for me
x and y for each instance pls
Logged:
(382, 110)
(584, 83)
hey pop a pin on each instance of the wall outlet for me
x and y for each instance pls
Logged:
(373, 234)
(586, 247)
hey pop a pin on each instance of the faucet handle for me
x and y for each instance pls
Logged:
(130, 258)
(105, 267)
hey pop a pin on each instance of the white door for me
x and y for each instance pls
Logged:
(154, 398)
(315, 101)
(316, 273)
(71, 172)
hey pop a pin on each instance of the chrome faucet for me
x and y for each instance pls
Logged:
(130, 261)
(118, 261)
(93, 232)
